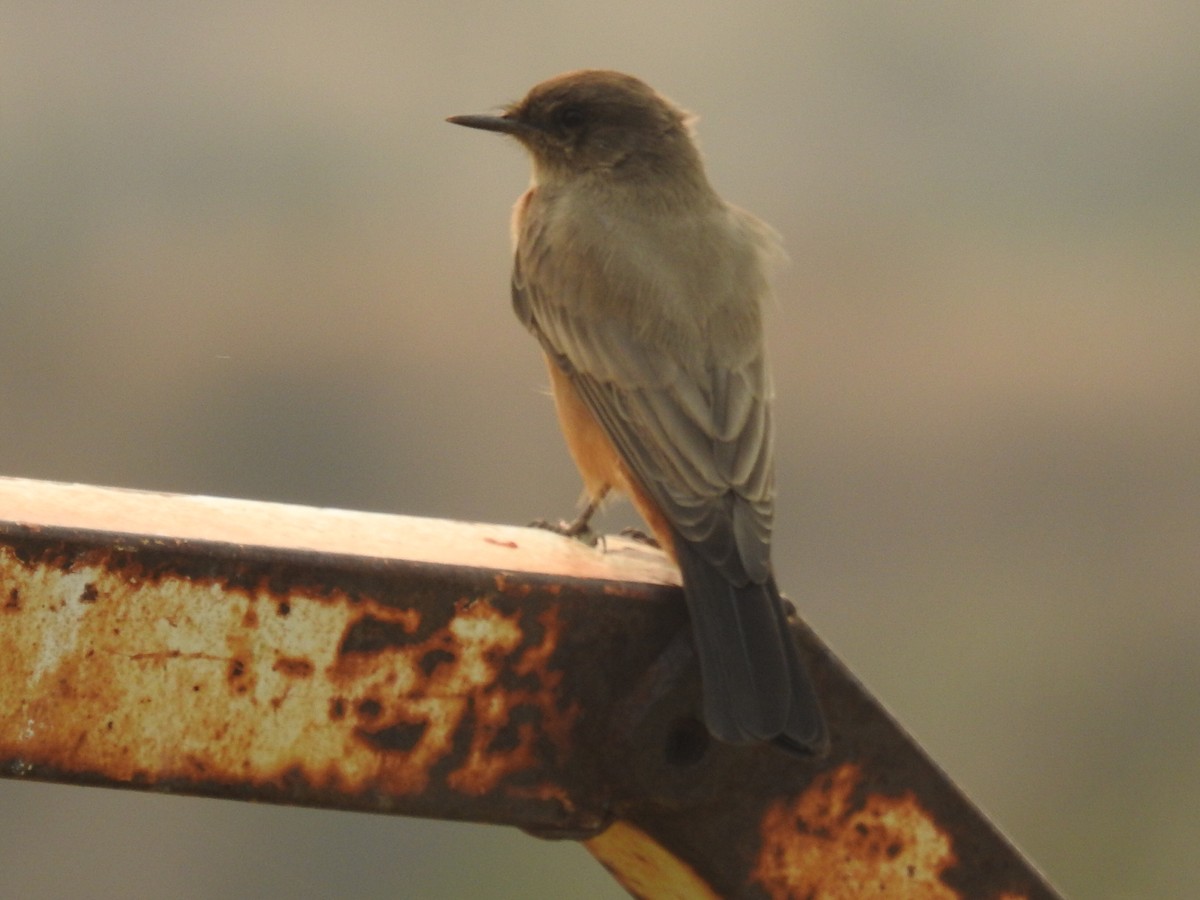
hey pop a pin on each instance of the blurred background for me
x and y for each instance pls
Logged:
(241, 254)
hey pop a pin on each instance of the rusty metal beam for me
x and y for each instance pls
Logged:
(418, 667)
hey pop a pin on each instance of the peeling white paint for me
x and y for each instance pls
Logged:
(61, 633)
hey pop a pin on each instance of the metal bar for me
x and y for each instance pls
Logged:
(419, 667)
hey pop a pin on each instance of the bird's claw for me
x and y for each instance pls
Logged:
(577, 530)
(636, 534)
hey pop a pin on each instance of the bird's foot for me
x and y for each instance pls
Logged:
(636, 534)
(584, 535)
(580, 528)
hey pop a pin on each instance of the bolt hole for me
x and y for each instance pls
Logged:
(687, 743)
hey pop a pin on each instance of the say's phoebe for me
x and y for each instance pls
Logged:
(645, 290)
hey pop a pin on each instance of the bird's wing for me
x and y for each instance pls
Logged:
(692, 425)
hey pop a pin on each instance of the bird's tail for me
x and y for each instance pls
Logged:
(756, 687)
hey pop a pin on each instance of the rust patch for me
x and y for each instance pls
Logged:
(238, 676)
(468, 701)
(434, 658)
(503, 739)
(373, 634)
(369, 709)
(294, 666)
(242, 671)
(837, 843)
(89, 593)
(399, 737)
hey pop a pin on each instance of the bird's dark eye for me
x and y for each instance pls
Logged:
(570, 117)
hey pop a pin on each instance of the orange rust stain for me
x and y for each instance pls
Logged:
(419, 704)
(410, 619)
(832, 843)
(241, 673)
(497, 749)
(159, 656)
(240, 678)
(294, 666)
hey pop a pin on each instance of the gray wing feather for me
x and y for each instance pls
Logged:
(695, 431)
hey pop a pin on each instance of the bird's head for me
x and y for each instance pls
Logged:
(597, 121)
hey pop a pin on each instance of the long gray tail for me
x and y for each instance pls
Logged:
(756, 687)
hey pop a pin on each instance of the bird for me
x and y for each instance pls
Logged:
(646, 290)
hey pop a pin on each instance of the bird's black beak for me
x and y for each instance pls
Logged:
(502, 124)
